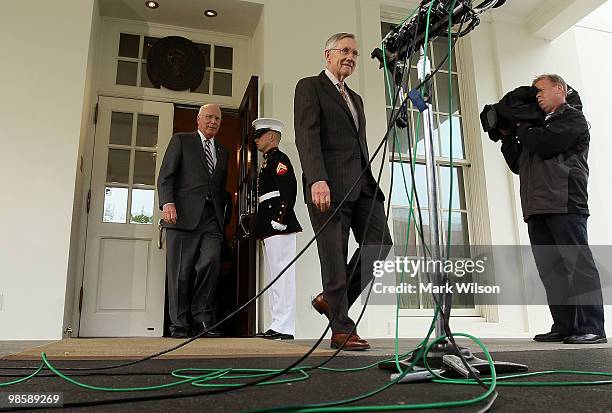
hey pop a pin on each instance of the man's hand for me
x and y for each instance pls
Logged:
(170, 213)
(320, 195)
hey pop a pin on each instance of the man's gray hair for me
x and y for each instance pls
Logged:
(553, 78)
(331, 42)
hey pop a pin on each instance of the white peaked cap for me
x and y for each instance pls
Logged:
(266, 124)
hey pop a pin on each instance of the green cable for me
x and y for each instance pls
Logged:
(23, 378)
(205, 377)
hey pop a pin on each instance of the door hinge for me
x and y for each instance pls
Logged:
(88, 200)
(81, 299)
(95, 116)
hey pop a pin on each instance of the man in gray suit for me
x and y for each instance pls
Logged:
(191, 187)
(330, 137)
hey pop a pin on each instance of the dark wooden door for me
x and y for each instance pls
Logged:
(247, 210)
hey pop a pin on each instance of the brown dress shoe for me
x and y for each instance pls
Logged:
(321, 306)
(353, 343)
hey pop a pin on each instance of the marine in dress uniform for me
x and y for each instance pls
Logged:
(277, 226)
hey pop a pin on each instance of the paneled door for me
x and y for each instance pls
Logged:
(124, 276)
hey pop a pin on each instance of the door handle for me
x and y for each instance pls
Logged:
(240, 221)
(160, 227)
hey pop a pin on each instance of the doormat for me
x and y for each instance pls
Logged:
(138, 347)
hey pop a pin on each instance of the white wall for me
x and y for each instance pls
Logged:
(46, 45)
(79, 220)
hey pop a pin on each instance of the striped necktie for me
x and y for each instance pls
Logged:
(210, 163)
(346, 98)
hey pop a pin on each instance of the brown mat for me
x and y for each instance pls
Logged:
(137, 347)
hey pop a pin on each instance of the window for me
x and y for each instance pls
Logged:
(419, 125)
(132, 64)
(130, 170)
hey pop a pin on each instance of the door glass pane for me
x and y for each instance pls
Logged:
(128, 45)
(458, 194)
(223, 57)
(222, 84)
(144, 168)
(121, 128)
(118, 167)
(445, 137)
(142, 206)
(126, 73)
(115, 204)
(146, 130)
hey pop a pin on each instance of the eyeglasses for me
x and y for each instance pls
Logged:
(346, 51)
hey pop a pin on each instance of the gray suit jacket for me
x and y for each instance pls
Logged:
(330, 146)
(184, 180)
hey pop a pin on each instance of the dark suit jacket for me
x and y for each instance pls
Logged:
(330, 146)
(184, 180)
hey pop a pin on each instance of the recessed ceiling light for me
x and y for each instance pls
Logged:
(152, 4)
(210, 13)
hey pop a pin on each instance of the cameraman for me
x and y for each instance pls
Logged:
(551, 161)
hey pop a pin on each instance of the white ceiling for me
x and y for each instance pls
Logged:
(235, 16)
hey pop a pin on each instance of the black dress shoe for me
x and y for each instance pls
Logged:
(274, 335)
(585, 339)
(552, 337)
(263, 335)
(179, 332)
(201, 327)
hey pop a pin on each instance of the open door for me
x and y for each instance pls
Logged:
(123, 281)
(246, 244)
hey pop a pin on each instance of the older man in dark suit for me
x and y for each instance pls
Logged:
(330, 137)
(191, 187)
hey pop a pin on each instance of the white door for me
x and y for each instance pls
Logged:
(124, 278)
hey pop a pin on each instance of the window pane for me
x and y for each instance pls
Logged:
(440, 51)
(205, 49)
(459, 230)
(128, 45)
(445, 137)
(148, 44)
(146, 130)
(458, 194)
(385, 28)
(144, 77)
(144, 168)
(142, 206)
(401, 137)
(121, 128)
(424, 133)
(222, 84)
(115, 204)
(442, 88)
(402, 185)
(126, 73)
(118, 168)
(223, 57)
(205, 85)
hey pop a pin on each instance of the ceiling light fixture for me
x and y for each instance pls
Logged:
(211, 13)
(152, 4)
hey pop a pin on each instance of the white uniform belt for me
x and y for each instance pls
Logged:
(268, 195)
